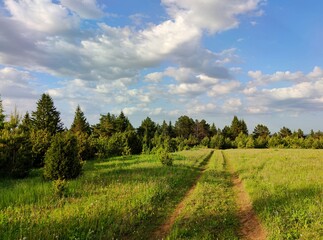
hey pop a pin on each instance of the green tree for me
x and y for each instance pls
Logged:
(201, 129)
(2, 115)
(15, 149)
(61, 159)
(40, 140)
(26, 123)
(261, 131)
(147, 131)
(46, 117)
(184, 126)
(237, 127)
(285, 132)
(122, 123)
(80, 123)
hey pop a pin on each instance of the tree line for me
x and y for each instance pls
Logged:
(39, 139)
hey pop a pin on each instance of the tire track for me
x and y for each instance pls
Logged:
(165, 228)
(250, 225)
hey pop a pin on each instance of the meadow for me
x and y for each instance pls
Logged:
(130, 197)
(286, 188)
(124, 198)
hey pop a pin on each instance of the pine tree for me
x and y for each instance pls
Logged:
(80, 123)
(46, 117)
(62, 160)
(2, 116)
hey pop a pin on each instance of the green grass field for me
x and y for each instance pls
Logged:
(129, 198)
(117, 198)
(286, 188)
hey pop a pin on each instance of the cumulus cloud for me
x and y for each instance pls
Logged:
(100, 67)
(17, 90)
(87, 9)
(42, 15)
(212, 15)
(303, 93)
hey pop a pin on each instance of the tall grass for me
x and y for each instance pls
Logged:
(210, 212)
(286, 188)
(124, 198)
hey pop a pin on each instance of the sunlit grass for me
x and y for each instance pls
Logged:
(286, 188)
(210, 212)
(115, 198)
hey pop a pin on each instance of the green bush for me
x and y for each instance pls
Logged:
(164, 157)
(62, 159)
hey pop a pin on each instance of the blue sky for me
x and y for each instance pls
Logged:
(212, 59)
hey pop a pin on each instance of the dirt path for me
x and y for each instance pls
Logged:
(251, 227)
(165, 228)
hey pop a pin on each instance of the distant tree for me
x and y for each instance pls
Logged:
(299, 133)
(147, 131)
(15, 149)
(201, 129)
(122, 123)
(217, 141)
(26, 123)
(261, 131)
(285, 132)
(213, 130)
(107, 125)
(2, 115)
(237, 127)
(80, 123)
(46, 117)
(226, 132)
(62, 160)
(184, 126)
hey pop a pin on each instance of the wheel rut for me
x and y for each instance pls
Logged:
(250, 225)
(164, 229)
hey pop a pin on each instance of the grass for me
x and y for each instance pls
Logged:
(116, 198)
(286, 188)
(210, 212)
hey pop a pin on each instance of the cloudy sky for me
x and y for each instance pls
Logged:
(261, 60)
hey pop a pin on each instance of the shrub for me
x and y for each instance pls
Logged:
(164, 157)
(62, 160)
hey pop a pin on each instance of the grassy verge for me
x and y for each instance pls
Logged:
(210, 212)
(286, 188)
(117, 198)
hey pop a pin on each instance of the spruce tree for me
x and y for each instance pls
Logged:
(46, 117)
(80, 123)
(2, 116)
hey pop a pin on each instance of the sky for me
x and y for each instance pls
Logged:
(261, 60)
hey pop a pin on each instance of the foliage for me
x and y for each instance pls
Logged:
(184, 126)
(80, 124)
(40, 140)
(237, 127)
(164, 157)
(60, 187)
(2, 115)
(61, 159)
(46, 117)
(15, 149)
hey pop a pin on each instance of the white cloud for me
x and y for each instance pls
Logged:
(88, 9)
(42, 15)
(232, 105)
(212, 15)
(302, 94)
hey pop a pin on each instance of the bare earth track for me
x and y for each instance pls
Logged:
(165, 228)
(250, 225)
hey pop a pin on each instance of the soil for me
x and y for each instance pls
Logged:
(165, 228)
(251, 227)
